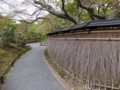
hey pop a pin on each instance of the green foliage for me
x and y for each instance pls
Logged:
(9, 32)
(32, 34)
(7, 36)
(6, 22)
(2, 52)
(44, 27)
(22, 27)
(71, 8)
(84, 16)
(30, 31)
(20, 39)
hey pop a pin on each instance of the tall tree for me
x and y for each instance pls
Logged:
(90, 6)
(64, 14)
(59, 8)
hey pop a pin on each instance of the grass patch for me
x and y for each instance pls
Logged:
(3, 53)
(7, 54)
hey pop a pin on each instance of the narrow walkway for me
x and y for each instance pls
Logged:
(31, 73)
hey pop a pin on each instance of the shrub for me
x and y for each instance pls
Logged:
(7, 36)
(20, 39)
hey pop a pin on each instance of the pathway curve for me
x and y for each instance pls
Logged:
(32, 73)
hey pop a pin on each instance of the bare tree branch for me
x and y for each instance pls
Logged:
(7, 3)
(32, 21)
(63, 7)
(35, 12)
(40, 8)
(66, 14)
(52, 11)
(78, 11)
(105, 7)
(90, 11)
(38, 14)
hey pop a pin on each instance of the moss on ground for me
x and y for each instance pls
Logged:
(7, 54)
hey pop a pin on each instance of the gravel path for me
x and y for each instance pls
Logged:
(32, 73)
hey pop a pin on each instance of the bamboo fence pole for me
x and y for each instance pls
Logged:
(105, 86)
(112, 86)
(99, 39)
(99, 85)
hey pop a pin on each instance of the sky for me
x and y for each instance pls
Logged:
(8, 7)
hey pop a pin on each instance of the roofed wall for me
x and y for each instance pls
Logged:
(93, 56)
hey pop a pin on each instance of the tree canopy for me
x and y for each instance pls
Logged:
(56, 14)
(72, 10)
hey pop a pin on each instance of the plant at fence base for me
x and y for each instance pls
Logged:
(20, 39)
(7, 36)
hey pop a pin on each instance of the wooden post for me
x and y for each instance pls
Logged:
(112, 85)
(12, 64)
(119, 87)
(0, 84)
(99, 85)
(90, 83)
(2, 80)
(105, 85)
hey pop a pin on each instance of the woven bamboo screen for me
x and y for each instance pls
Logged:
(94, 55)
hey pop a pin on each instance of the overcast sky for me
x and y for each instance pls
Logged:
(9, 6)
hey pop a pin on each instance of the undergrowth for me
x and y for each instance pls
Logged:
(7, 54)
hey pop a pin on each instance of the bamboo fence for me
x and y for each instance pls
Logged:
(93, 57)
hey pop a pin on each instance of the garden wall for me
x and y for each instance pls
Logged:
(93, 56)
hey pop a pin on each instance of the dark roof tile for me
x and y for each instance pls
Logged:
(88, 25)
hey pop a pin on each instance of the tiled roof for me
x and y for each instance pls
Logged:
(89, 25)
